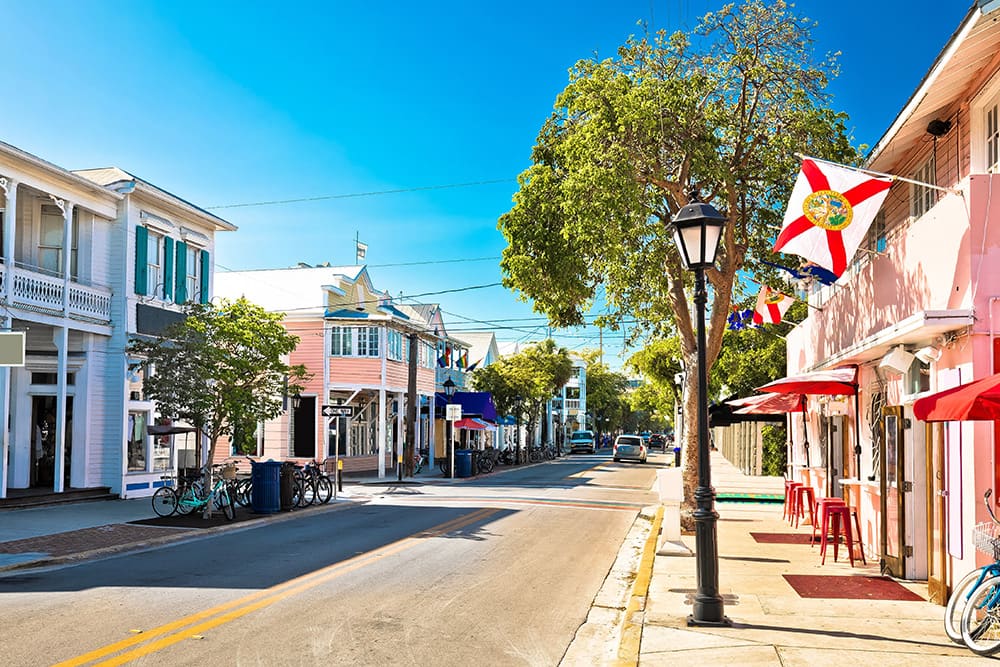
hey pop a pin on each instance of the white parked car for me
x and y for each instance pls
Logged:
(629, 447)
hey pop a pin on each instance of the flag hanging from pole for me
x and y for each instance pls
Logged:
(362, 250)
(771, 306)
(830, 210)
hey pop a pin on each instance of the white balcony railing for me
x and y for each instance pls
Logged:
(572, 403)
(40, 292)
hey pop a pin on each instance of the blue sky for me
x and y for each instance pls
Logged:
(239, 102)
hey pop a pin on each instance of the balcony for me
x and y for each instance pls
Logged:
(39, 292)
(572, 403)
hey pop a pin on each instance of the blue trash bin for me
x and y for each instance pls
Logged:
(463, 463)
(265, 493)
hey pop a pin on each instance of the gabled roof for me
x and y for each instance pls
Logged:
(956, 75)
(287, 290)
(479, 342)
(115, 178)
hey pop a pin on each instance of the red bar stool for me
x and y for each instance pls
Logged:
(840, 516)
(857, 534)
(803, 497)
(789, 494)
(823, 510)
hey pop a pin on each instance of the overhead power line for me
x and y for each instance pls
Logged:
(352, 195)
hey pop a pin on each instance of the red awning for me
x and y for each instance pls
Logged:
(771, 404)
(836, 382)
(979, 400)
(470, 424)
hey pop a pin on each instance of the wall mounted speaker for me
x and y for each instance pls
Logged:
(897, 361)
(928, 354)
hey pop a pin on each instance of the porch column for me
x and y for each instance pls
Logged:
(9, 187)
(62, 344)
(381, 433)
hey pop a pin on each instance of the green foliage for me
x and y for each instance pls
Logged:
(606, 392)
(753, 357)
(221, 369)
(521, 383)
(775, 457)
(722, 112)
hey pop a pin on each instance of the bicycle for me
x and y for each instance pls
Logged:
(316, 486)
(165, 498)
(194, 498)
(419, 461)
(981, 617)
(963, 590)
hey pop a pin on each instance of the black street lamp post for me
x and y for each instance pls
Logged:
(449, 391)
(697, 228)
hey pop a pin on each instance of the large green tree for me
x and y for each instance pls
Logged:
(522, 383)
(221, 369)
(607, 392)
(720, 112)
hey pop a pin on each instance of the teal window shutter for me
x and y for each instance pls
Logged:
(180, 291)
(205, 264)
(168, 267)
(141, 261)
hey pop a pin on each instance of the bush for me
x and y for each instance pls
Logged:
(774, 460)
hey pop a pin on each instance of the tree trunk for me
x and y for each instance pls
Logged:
(689, 452)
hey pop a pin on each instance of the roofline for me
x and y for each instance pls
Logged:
(173, 200)
(16, 152)
(978, 8)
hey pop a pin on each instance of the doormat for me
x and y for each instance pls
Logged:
(781, 538)
(194, 519)
(849, 587)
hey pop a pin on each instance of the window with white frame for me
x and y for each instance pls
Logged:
(394, 345)
(354, 341)
(154, 264)
(193, 276)
(922, 198)
(991, 130)
(145, 453)
(340, 341)
(368, 341)
(429, 359)
(50, 240)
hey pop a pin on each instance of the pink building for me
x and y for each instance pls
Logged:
(916, 312)
(355, 341)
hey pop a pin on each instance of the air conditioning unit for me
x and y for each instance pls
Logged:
(897, 361)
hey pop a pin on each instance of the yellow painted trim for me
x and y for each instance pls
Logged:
(631, 639)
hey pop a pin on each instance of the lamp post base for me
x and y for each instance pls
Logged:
(696, 623)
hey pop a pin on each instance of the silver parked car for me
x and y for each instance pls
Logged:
(629, 447)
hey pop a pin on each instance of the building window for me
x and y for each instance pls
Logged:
(430, 355)
(154, 263)
(193, 276)
(992, 127)
(922, 198)
(367, 341)
(394, 345)
(50, 241)
(340, 342)
(52, 378)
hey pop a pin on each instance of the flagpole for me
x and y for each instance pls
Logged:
(883, 174)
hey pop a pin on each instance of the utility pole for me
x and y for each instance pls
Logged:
(601, 329)
(411, 407)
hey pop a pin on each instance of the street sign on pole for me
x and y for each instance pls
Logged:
(453, 412)
(338, 410)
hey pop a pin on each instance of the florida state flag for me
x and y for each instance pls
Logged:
(771, 306)
(829, 212)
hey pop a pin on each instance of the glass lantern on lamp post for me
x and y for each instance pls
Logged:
(697, 228)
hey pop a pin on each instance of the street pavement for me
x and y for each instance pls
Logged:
(771, 623)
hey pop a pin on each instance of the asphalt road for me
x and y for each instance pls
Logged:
(494, 571)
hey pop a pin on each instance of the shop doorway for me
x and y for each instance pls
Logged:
(304, 428)
(893, 529)
(43, 442)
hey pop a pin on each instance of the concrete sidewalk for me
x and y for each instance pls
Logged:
(771, 623)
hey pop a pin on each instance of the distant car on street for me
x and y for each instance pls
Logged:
(581, 441)
(658, 441)
(629, 447)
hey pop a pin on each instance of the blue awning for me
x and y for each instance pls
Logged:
(474, 404)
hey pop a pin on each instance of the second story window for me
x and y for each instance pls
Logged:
(394, 345)
(340, 341)
(193, 277)
(155, 263)
(922, 198)
(367, 341)
(50, 241)
(992, 127)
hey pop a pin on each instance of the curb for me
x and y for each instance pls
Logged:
(631, 638)
(176, 538)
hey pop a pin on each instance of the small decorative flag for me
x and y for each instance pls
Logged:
(771, 306)
(806, 271)
(739, 319)
(362, 250)
(830, 210)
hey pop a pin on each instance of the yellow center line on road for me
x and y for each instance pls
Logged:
(240, 607)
